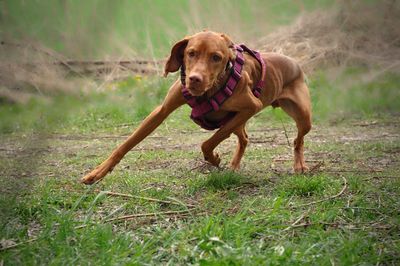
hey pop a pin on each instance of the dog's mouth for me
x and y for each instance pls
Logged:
(201, 89)
(195, 91)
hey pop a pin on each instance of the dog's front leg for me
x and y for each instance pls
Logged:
(250, 109)
(173, 100)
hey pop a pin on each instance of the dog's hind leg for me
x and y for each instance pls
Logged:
(295, 101)
(243, 140)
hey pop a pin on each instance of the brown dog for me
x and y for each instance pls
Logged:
(205, 56)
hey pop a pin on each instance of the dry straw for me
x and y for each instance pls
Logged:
(354, 34)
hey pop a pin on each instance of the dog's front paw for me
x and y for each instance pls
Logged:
(300, 168)
(213, 159)
(234, 166)
(98, 173)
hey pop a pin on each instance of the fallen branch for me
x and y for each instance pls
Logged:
(316, 167)
(295, 222)
(110, 193)
(290, 159)
(349, 226)
(350, 171)
(180, 203)
(138, 215)
(18, 244)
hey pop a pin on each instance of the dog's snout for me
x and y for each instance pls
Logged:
(196, 78)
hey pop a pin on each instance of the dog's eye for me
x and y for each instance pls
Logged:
(191, 54)
(216, 58)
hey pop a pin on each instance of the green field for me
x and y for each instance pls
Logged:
(177, 210)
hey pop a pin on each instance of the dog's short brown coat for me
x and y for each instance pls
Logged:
(205, 56)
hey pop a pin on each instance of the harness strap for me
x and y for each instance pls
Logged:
(201, 107)
(260, 83)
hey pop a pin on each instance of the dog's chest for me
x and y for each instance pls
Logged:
(216, 116)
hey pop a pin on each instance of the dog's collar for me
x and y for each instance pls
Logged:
(202, 106)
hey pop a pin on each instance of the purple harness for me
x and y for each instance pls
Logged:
(202, 106)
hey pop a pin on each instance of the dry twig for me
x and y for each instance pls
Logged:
(18, 244)
(316, 167)
(138, 215)
(110, 193)
(295, 222)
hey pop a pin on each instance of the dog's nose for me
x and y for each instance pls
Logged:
(195, 78)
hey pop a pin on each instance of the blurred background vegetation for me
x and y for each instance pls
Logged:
(95, 29)
(349, 50)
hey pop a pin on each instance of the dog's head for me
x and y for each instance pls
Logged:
(205, 56)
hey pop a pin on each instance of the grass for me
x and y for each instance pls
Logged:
(223, 181)
(306, 186)
(240, 218)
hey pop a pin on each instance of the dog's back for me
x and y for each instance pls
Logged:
(289, 69)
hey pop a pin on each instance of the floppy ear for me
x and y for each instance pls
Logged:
(230, 45)
(175, 60)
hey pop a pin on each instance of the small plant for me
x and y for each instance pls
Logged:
(220, 180)
(304, 186)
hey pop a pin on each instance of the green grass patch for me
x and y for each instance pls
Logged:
(221, 180)
(306, 185)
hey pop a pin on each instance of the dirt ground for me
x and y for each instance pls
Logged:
(352, 146)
